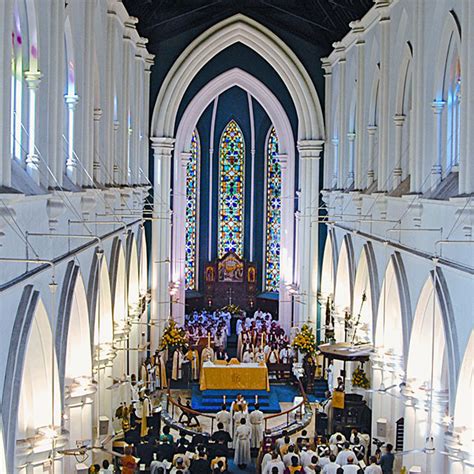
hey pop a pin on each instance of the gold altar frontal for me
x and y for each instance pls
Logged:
(235, 377)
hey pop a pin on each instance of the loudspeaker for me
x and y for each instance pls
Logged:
(381, 428)
(103, 425)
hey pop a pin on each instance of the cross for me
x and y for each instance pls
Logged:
(230, 292)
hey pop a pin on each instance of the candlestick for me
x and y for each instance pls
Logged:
(224, 399)
(209, 339)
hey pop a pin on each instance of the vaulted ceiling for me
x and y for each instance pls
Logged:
(315, 21)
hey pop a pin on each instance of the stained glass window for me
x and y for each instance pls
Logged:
(192, 168)
(231, 190)
(273, 214)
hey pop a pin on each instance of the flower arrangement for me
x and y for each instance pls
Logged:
(173, 336)
(305, 341)
(359, 378)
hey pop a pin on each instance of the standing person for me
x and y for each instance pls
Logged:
(343, 457)
(242, 445)
(274, 463)
(387, 460)
(373, 468)
(350, 467)
(331, 467)
(224, 417)
(256, 422)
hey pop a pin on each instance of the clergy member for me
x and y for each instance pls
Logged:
(193, 356)
(224, 417)
(256, 423)
(242, 444)
(177, 372)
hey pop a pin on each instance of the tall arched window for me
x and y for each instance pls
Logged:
(273, 214)
(19, 46)
(452, 92)
(192, 182)
(231, 190)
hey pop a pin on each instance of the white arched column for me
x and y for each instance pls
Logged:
(344, 287)
(460, 441)
(31, 401)
(134, 311)
(428, 378)
(388, 361)
(236, 29)
(73, 345)
(328, 278)
(279, 118)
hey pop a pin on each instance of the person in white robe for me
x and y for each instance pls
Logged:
(224, 417)
(207, 355)
(247, 356)
(177, 372)
(242, 456)
(273, 356)
(256, 423)
(259, 356)
(239, 414)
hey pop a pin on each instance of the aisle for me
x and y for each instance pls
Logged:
(232, 345)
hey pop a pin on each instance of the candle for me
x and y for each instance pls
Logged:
(256, 398)
(208, 339)
(224, 399)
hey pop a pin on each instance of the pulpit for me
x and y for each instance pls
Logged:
(230, 280)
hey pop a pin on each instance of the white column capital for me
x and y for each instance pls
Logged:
(351, 136)
(33, 79)
(399, 120)
(162, 145)
(438, 106)
(371, 129)
(97, 114)
(358, 28)
(71, 101)
(327, 66)
(310, 149)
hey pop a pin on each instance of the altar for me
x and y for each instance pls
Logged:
(251, 376)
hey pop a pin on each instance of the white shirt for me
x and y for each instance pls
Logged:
(306, 457)
(351, 469)
(274, 463)
(331, 468)
(333, 440)
(287, 458)
(373, 469)
(344, 455)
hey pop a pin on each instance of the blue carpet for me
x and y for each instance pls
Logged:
(210, 401)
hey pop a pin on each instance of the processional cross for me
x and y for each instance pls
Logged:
(230, 292)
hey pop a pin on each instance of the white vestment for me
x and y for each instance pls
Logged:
(242, 445)
(256, 422)
(225, 418)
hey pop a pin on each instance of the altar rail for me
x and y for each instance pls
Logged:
(294, 419)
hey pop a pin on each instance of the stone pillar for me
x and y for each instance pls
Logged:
(342, 158)
(6, 13)
(179, 238)
(437, 166)
(398, 171)
(161, 229)
(116, 175)
(71, 162)
(384, 168)
(466, 165)
(146, 121)
(309, 151)
(33, 79)
(359, 129)
(96, 161)
(351, 138)
(371, 130)
(328, 156)
(335, 163)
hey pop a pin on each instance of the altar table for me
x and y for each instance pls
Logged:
(250, 376)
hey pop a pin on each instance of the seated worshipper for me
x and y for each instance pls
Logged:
(351, 467)
(307, 455)
(345, 454)
(274, 463)
(331, 467)
(221, 435)
(273, 356)
(179, 467)
(312, 467)
(219, 466)
(165, 450)
(302, 440)
(295, 467)
(201, 465)
(242, 436)
(221, 354)
(256, 423)
(259, 356)
(247, 355)
(224, 417)
(340, 385)
(284, 355)
(144, 451)
(288, 457)
(186, 412)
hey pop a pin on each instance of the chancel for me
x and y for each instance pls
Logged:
(237, 236)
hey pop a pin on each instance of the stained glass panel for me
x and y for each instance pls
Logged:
(231, 190)
(192, 168)
(273, 215)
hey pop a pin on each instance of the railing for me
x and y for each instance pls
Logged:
(169, 405)
(302, 412)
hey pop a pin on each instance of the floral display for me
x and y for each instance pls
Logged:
(359, 378)
(305, 341)
(173, 336)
